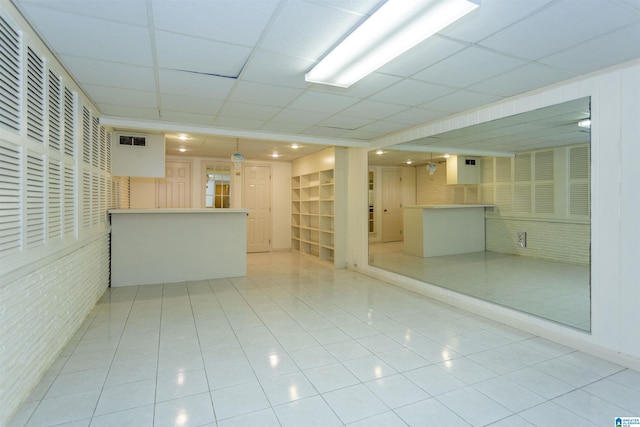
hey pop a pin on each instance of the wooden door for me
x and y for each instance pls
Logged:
(174, 190)
(391, 205)
(257, 198)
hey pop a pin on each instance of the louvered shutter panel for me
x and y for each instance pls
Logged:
(522, 184)
(544, 182)
(35, 96)
(95, 199)
(10, 200)
(69, 201)
(35, 200)
(86, 136)
(69, 123)
(579, 191)
(55, 117)
(108, 152)
(95, 142)
(9, 76)
(86, 200)
(54, 199)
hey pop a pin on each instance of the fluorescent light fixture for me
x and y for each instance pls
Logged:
(397, 26)
(586, 123)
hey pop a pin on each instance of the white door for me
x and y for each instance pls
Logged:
(174, 190)
(257, 198)
(391, 205)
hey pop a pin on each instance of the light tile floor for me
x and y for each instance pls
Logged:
(555, 291)
(297, 343)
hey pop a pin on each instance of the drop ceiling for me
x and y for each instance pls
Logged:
(229, 71)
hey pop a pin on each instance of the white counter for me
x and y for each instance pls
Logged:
(151, 246)
(436, 230)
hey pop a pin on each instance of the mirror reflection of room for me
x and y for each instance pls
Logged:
(503, 216)
(218, 186)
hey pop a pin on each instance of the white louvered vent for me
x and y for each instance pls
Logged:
(103, 148)
(95, 199)
(86, 136)
(544, 199)
(486, 170)
(10, 223)
(108, 151)
(86, 200)
(458, 195)
(69, 123)
(504, 199)
(54, 206)
(35, 200)
(579, 189)
(69, 201)
(95, 142)
(486, 194)
(543, 184)
(55, 113)
(104, 199)
(503, 169)
(35, 96)
(9, 76)
(522, 168)
(522, 197)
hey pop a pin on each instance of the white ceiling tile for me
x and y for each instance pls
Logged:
(383, 127)
(490, 17)
(125, 11)
(345, 122)
(116, 96)
(193, 84)
(105, 73)
(587, 56)
(468, 66)
(252, 111)
(284, 128)
(189, 104)
(373, 110)
(216, 20)
(521, 80)
(233, 122)
(362, 134)
(328, 132)
(563, 24)
(425, 54)
(371, 84)
(322, 102)
(363, 7)
(267, 67)
(411, 93)
(189, 118)
(307, 30)
(289, 115)
(416, 116)
(460, 100)
(92, 38)
(128, 111)
(180, 52)
(263, 94)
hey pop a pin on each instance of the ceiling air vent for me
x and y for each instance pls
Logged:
(138, 141)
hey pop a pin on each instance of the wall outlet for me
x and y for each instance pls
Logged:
(522, 239)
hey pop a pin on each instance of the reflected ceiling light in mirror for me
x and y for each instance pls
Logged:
(379, 152)
(295, 146)
(409, 162)
(586, 123)
(275, 155)
(182, 149)
(183, 137)
(446, 156)
(397, 26)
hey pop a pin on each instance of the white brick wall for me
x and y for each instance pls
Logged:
(553, 241)
(41, 311)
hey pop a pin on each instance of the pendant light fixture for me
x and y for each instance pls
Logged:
(237, 157)
(431, 167)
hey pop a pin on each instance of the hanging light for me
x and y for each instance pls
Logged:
(431, 167)
(237, 157)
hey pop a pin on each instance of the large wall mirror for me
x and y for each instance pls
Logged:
(530, 178)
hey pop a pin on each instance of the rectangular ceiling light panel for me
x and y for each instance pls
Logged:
(394, 28)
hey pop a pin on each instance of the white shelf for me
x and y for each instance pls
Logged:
(312, 221)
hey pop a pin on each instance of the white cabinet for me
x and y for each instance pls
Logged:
(463, 170)
(312, 213)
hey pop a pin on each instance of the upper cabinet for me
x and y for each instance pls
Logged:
(463, 170)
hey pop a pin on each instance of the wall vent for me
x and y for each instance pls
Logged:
(137, 141)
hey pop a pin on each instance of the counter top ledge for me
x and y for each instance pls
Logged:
(177, 211)
(448, 206)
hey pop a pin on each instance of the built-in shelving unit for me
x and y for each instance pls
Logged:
(312, 213)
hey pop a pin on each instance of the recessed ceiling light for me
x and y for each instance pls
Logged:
(182, 149)
(295, 146)
(446, 156)
(183, 137)
(379, 152)
(275, 155)
(409, 161)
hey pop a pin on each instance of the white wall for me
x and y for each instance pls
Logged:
(615, 132)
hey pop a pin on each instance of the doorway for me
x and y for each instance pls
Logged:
(257, 198)
(391, 203)
(174, 190)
